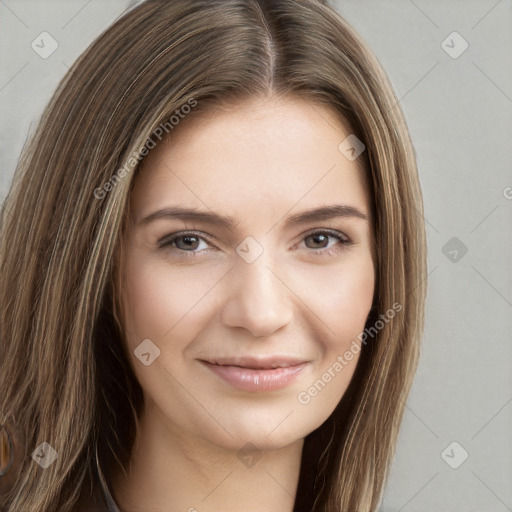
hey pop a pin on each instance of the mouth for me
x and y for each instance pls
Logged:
(257, 374)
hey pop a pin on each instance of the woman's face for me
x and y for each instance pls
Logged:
(249, 273)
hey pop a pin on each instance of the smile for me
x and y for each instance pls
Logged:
(249, 374)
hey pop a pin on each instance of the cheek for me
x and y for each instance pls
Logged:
(160, 299)
(165, 305)
(342, 306)
(350, 304)
(342, 297)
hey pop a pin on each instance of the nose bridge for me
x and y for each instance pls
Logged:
(257, 300)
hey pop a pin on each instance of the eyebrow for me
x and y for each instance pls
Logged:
(229, 222)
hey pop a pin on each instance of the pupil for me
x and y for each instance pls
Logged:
(187, 242)
(319, 240)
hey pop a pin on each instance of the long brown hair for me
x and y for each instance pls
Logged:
(66, 379)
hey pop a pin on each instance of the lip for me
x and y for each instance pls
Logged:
(257, 374)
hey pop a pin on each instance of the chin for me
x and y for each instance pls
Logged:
(269, 429)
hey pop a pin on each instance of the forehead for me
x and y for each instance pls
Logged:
(264, 155)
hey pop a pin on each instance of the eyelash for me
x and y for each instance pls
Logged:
(167, 242)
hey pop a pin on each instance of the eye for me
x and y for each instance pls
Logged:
(185, 241)
(326, 241)
(192, 243)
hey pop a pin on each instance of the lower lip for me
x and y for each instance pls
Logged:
(246, 379)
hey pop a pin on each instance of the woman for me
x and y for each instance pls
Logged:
(212, 270)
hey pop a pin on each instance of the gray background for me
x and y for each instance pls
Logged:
(459, 112)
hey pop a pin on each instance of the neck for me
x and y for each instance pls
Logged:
(175, 471)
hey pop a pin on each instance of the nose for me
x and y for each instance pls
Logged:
(258, 301)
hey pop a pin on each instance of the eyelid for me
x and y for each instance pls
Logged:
(168, 239)
(344, 242)
(343, 238)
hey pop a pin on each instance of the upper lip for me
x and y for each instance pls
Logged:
(257, 363)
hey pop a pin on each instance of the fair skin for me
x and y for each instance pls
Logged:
(294, 296)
